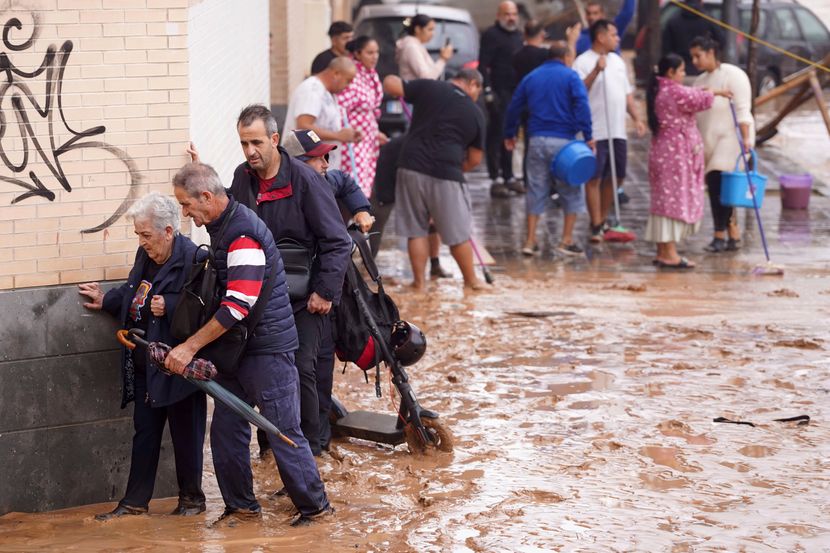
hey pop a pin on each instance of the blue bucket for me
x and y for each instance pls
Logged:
(575, 164)
(734, 189)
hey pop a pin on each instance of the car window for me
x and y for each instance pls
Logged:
(787, 26)
(746, 20)
(460, 34)
(811, 27)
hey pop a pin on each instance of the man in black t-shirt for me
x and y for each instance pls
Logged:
(340, 34)
(446, 138)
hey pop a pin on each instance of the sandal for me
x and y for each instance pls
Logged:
(682, 264)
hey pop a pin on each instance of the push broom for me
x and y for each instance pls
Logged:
(769, 268)
(617, 233)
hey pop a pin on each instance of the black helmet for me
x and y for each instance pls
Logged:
(408, 342)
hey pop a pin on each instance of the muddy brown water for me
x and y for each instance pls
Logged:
(586, 426)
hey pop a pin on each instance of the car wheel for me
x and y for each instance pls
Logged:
(769, 80)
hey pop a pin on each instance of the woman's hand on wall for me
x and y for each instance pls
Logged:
(92, 291)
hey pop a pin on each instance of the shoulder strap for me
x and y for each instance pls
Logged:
(362, 245)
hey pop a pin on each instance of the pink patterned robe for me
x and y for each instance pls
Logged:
(360, 102)
(675, 161)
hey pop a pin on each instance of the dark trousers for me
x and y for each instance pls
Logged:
(310, 332)
(325, 381)
(270, 382)
(381, 211)
(187, 431)
(721, 214)
(499, 160)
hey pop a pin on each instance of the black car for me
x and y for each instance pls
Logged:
(784, 24)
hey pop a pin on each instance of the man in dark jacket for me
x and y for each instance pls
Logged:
(248, 263)
(303, 145)
(498, 44)
(682, 28)
(296, 204)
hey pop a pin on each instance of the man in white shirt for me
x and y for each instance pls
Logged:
(313, 106)
(606, 76)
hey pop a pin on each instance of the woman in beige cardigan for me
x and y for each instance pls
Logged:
(414, 61)
(720, 143)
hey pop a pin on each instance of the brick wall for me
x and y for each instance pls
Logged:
(109, 129)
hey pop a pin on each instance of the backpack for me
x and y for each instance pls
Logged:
(201, 297)
(354, 340)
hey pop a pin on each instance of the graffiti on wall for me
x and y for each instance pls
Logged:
(44, 148)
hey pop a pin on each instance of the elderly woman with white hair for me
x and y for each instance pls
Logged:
(147, 301)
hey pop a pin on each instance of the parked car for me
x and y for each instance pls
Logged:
(384, 23)
(784, 24)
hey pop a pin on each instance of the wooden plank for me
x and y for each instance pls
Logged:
(817, 92)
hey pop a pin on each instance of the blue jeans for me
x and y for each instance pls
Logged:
(270, 382)
(540, 182)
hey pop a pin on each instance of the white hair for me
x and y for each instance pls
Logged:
(162, 211)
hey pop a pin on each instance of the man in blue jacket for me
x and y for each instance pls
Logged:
(594, 11)
(246, 260)
(556, 102)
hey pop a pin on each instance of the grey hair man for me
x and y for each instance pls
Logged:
(248, 264)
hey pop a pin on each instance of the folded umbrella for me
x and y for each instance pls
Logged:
(200, 372)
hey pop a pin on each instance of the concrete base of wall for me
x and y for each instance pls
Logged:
(64, 441)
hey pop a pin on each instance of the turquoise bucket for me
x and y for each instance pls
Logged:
(734, 187)
(575, 164)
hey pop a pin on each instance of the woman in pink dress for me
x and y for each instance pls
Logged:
(675, 161)
(360, 104)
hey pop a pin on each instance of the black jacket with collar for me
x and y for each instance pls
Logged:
(300, 205)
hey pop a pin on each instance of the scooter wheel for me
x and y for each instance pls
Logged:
(440, 437)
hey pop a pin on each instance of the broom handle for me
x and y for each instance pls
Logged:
(610, 147)
(749, 178)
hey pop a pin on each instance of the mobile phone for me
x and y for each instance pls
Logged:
(447, 42)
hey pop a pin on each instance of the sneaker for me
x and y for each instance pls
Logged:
(569, 249)
(499, 190)
(121, 511)
(733, 244)
(717, 245)
(516, 186)
(305, 520)
(596, 234)
(530, 252)
(436, 271)
(622, 197)
(188, 509)
(233, 517)
(282, 492)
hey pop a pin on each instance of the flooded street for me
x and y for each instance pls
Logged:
(582, 396)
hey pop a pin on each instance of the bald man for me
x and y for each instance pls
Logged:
(498, 45)
(314, 106)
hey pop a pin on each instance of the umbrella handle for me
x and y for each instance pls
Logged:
(123, 340)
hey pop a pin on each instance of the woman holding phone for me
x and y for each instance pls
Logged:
(414, 61)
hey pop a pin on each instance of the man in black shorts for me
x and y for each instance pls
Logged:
(445, 139)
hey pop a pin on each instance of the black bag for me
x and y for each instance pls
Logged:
(298, 261)
(199, 301)
(353, 339)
